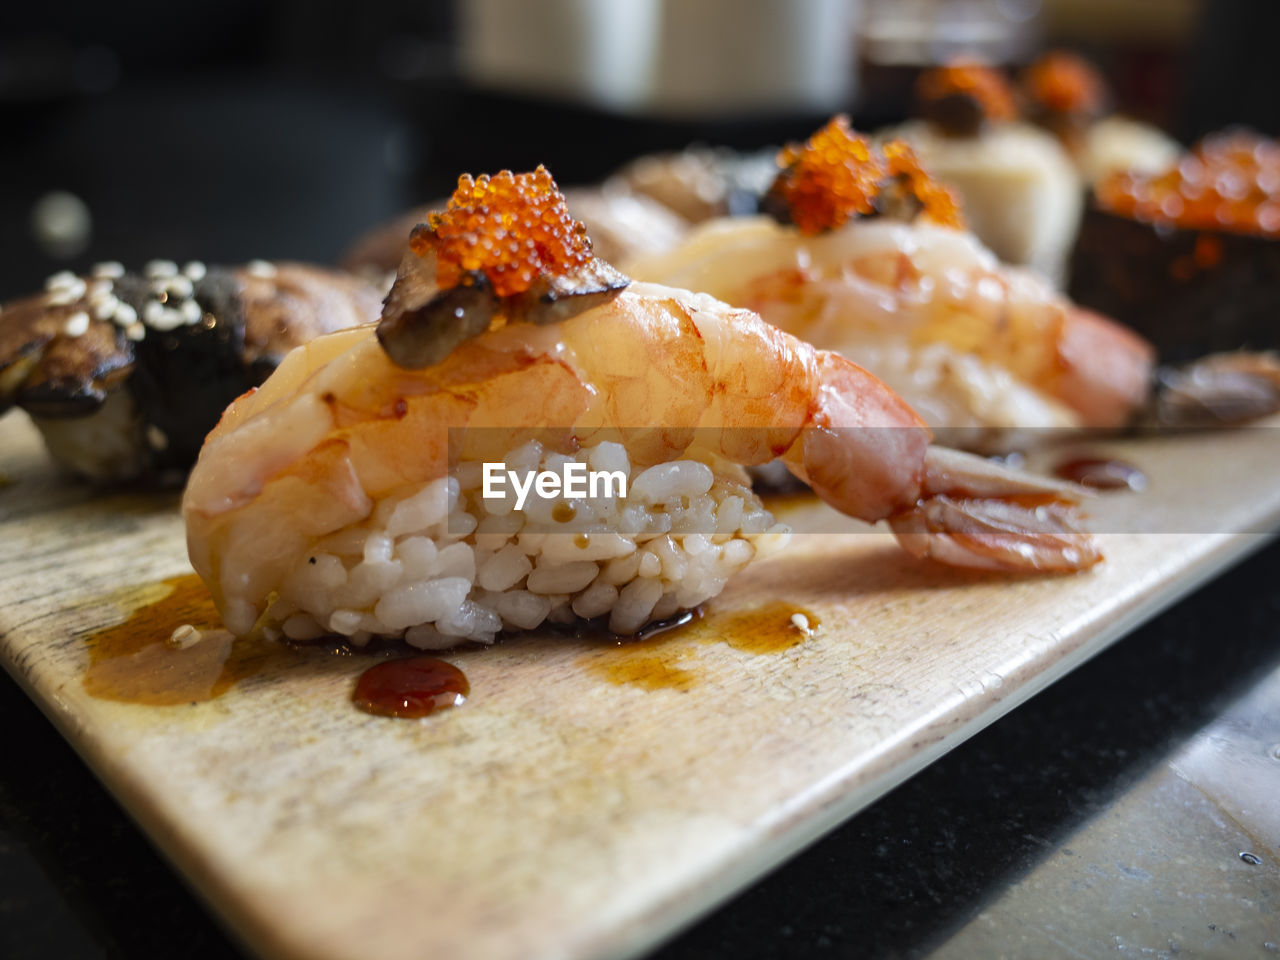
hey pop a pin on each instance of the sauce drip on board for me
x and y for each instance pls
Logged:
(662, 661)
(410, 687)
(1098, 473)
(639, 660)
(772, 628)
(650, 672)
(133, 661)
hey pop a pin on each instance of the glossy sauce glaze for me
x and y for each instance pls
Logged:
(1099, 473)
(135, 662)
(773, 628)
(410, 687)
(663, 659)
(646, 659)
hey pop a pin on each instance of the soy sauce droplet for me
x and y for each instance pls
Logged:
(1100, 474)
(410, 687)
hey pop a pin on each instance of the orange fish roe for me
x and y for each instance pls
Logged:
(838, 175)
(1226, 182)
(1063, 82)
(939, 203)
(972, 78)
(511, 227)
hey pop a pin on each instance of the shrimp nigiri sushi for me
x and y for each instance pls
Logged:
(1066, 95)
(1021, 192)
(866, 254)
(347, 495)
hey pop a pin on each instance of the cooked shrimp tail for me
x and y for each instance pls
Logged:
(953, 507)
(975, 513)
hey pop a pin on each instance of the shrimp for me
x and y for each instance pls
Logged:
(974, 346)
(343, 450)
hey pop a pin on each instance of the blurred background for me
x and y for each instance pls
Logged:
(236, 129)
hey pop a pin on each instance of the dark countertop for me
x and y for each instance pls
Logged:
(78, 880)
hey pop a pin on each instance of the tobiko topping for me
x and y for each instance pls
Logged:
(964, 96)
(838, 175)
(1064, 82)
(510, 227)
(505, 249)
(1228, 181)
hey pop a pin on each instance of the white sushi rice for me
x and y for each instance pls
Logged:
(441, 564)
(106, 446)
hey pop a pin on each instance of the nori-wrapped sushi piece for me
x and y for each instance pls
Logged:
(125, 373)
(1190, 292)
(1190, 258)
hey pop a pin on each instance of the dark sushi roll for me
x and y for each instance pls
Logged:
(1190, 258)
(125, 373)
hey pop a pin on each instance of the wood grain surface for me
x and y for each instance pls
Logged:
(587, 799)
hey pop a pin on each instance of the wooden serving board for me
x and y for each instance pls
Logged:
(587, 799)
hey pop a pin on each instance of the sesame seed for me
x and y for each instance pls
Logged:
(124, 315)
(77, 324)
(65, 294)
(153, 313)
(63, 279)
(135, 331)
(100, 287)
(104, 306)
(191, 312)
(801, 623)
(261, 268)
(156, 438)
(160, 268)
(179, 286)
(185, 636)
(165, 320)
(111, 268)
(195, 270)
